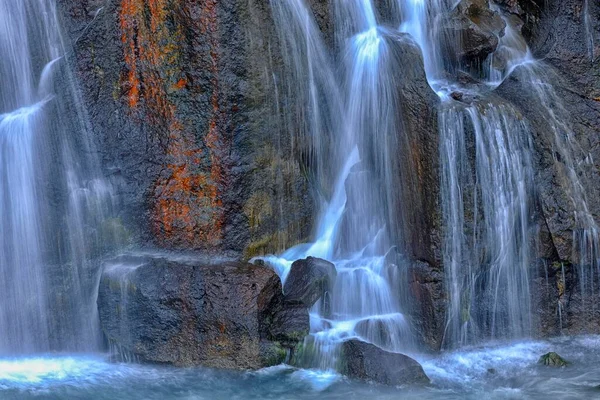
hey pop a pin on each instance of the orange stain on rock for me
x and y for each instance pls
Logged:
(187, 209)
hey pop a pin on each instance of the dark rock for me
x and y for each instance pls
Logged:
(457, 96)
(426, 285)
(180, 103)
(416, 205)
(480, 13)
(186, 311)
(476, 28)
(309, 280)
(367, 362)
(553, 360)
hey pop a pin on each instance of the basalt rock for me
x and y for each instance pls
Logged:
(474, 26)
(429, 306)
(181, 106)
(417, 173)
(309, 280)
(367, 362)
(188, 311)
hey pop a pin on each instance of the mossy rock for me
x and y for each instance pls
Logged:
(552, 359)
(275, 354)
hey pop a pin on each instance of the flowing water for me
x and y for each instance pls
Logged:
(357, 224)
(50, 192)
(54, 205)
(589, 30)
(486, 212)
(493, 371)
(487, 179)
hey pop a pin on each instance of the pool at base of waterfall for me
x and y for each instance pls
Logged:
(494, 371)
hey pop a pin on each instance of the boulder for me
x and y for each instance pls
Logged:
(367, 362)
(188, 311)
(552, 359)
(476, 27)
(309, 280)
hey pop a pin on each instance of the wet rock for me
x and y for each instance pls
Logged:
(458, 96)
(181, 106)
(529, 11)
(428, 307)
(309, 280)
(367, 362)
(480, 13)
(416, 174)
(190, 311)
(552, 359)
(475, 28)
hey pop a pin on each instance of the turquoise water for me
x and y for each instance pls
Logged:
(466, 374)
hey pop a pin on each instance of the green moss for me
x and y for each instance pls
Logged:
(113, 231)
(304, 353)
(259, 247)
(552, 359)
(258, 209)
(276, 355)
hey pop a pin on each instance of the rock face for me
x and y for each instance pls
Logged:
(367, 362)
(476, 28)
(179, 98)
(558, 34)
(426, 286)
(185, 311)
(417, 172)
(202, 157)
(309, 280)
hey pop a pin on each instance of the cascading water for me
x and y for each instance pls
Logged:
(488, 233)
(51, 197)
(485, 200)
(355, 227)
(487, 175)
(488, 249)
(589, 30)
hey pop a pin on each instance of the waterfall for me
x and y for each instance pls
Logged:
(486, 205)
(589, 29)
(487, 201)
(355, 124)
(52, 197)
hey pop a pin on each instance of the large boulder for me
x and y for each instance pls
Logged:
(309, 280)
(367, 362)
(189, 311)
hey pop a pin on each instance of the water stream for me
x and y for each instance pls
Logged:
(51, 194)
(54, 205)
(491, 371)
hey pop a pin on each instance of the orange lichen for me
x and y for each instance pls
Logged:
(187, 208)
(180, 84)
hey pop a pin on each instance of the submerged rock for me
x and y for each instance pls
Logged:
(367, 362)
(309, 280)
(552, 359)
(196, 312)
